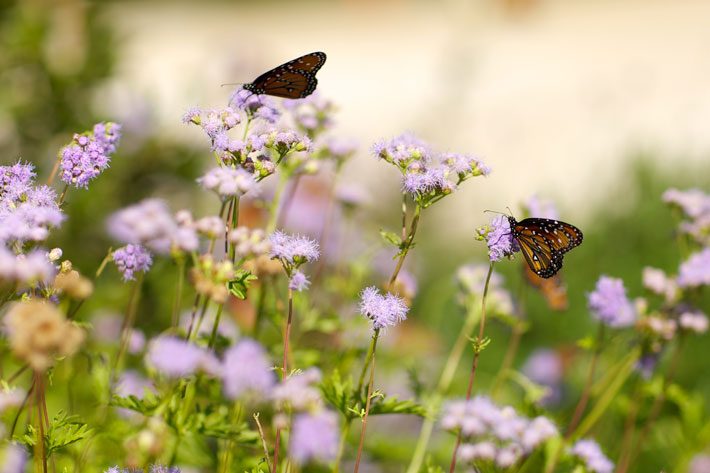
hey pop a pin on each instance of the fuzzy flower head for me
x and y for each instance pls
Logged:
(39, 332)
(656, 281)
(227, 182)
(499, 238)
(299, 391)
(89, 154)
(609, 304)
(249, 243)
(256, 106)
(293, 250)
(298, 282)
(695, 271)
(402, 150)
(314, 438)
(495, 433)
(537, 207)
(471, 279)
(312, 114)
(215, 123)
(150, 223)
(693, 321)
(591, 454)
(384, 310)
(26, 212)
(694, 203)
(176, 358)
(464, 165)
(544, 367)
(132, 259)
(25, 270)
(246, 369)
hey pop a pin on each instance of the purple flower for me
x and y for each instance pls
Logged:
(26, 269)
(10, 397)
(176, 358)
(150, 223)
(646, 364)
(699, 464)
(402, 150)
(227, 182)
(15, 459)
(656, 281)
(462, 164)
(384, 310)
(15, 181)
(541, 208)
(246, 370)
(499, 238)
(472, 281)
(544, 366)
(259, 106)
(293, 249)
(286, 141)
(427, 180)
(341, 149)
(131, 383)
(512, 433)
(609, 304)
(592, 455)
(314, 437)
(26, 212)
(693, 202)
(299, 391)
(132, 259)
(89, 154)
(298, 282)
(693, 321)
(312, 113)
(695, 271)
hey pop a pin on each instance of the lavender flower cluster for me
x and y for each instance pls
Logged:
(495, 434)
(89, 154)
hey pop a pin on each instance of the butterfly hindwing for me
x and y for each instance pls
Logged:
(544, 242)
(294, 79)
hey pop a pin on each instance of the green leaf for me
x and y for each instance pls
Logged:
(381, 404)
(146, 406)
(240, 283)
(65, 430)
(391, 238)
(339, 394)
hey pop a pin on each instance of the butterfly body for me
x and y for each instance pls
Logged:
(544, 242)
(295, 79)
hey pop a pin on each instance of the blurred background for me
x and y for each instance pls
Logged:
(597, 105)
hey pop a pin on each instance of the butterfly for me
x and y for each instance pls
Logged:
(295, 79)
(544, 242)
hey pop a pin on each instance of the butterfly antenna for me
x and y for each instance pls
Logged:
(493, 212)
(232, 83)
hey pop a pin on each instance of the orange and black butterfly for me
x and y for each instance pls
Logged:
(293, 80)
(544, 242)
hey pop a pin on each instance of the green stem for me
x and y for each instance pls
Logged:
(370, 385)
(474, 365)
(284, 369)
(368, 359)
(260, 307)
(447, 375)
(217, 317)
(128, 321)
(234, 223)
(193, 333)
(509, 357)
(178, 292)
(407, 245)
(341, 445)
(584, 399)
(275, 203)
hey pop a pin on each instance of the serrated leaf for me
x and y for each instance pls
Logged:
(339, 394)
(65, 430)
(146, 406)
(391, 405)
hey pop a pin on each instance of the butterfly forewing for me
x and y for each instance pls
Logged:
(543, 242)
(294, 79)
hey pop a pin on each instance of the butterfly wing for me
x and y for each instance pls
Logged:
(553, 289)
(293, 80)
(543, 242)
